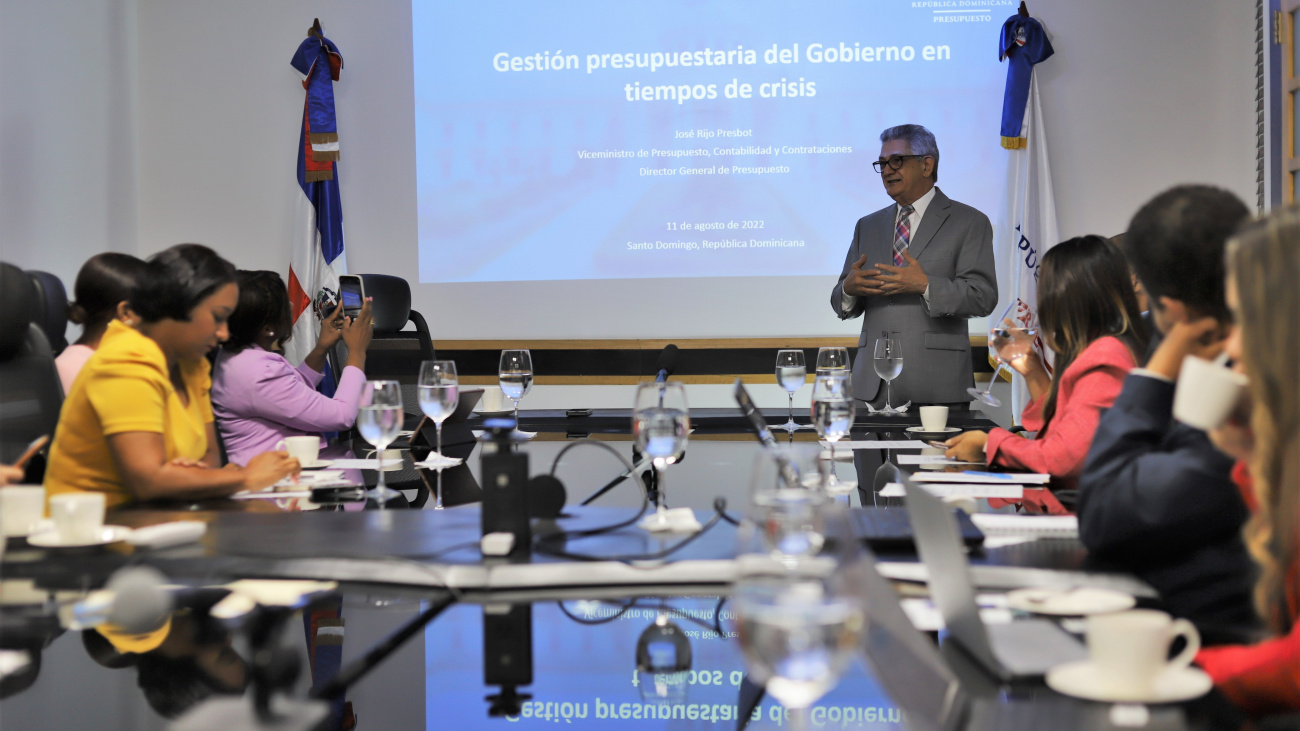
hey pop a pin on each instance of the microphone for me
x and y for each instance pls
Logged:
(666, 364)
(135, 601)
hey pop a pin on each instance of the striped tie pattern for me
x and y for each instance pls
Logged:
(902, 234)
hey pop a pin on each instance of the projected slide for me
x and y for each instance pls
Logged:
(685, 138)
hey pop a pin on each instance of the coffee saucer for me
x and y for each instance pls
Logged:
(488, 414)
(107, 534)
(919, 432)
(1085, 680)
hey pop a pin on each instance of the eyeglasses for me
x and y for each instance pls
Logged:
(895, 162)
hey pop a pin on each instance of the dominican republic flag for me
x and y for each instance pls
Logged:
(1028, 228)
(317, 259)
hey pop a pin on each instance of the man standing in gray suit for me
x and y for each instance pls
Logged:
(918, 270)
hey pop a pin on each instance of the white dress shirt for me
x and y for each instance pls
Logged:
(847, 301)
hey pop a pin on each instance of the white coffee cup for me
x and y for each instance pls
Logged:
(934, 418)
(22, 507)
(304, 449)
(494, 399)
(1207, 393)
(78, 517)
(1131, 649)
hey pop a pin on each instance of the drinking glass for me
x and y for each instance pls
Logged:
(832, 416)
(799, 618)
(439, 392)
(787, 494)
(661, 424)
(516, 378)
(1012, 336)
(791, 372)
(380, 421)
(831, 360)
(889, 363)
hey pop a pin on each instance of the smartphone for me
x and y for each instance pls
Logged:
(326, 495)
(352, 292)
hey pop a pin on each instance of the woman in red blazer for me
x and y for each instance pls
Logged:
(1090, 320)
(1263, 269)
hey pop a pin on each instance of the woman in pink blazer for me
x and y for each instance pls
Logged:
(1090, 320)
(258, 397)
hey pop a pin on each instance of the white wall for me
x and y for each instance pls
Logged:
(220, 110)
(67, 132)
(1140, 96)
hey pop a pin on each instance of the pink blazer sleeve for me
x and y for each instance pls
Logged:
(1091, 384)
(286, 396)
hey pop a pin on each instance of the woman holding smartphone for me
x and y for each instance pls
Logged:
(258, 397)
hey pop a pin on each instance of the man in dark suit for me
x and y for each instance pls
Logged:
(917, 269)
(1155, 496)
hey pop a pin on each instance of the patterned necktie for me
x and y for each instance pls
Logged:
(902, 234)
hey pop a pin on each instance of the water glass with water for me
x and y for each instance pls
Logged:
(661, 425)
(439, 391)
(380, 422)
(515, 375)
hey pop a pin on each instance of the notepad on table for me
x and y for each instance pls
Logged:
(1031, 526)
(988, 478)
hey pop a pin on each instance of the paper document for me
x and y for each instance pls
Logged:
(363, 464)
(896, 444)
(1034, 526)
(928, 459)
(1009, 492)
(271, 495)
(986, 478)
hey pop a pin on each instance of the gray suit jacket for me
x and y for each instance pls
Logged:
(954, 244)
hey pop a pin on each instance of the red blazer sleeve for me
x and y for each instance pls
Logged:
(1089, 385)
(1259, 679)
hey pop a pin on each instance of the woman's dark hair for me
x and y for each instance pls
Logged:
(263, 301)
(176, 280)
(1085, 292)
(104, 281)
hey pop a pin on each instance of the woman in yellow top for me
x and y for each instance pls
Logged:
(137, 424)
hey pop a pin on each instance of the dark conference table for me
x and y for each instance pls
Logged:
(575, 626)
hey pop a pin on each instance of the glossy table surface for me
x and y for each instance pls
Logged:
(575, 639)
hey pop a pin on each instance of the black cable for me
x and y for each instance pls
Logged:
(645, 497)
(719, 510)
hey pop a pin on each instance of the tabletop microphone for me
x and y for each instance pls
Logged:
(666, 364)
(136, 600)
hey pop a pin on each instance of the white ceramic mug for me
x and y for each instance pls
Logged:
(22, 507)
(1131, 649)
(1207, 393)
(78, 517)
(934, 418)
(304, 449)
(494, 399)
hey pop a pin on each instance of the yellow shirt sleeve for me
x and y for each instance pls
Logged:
(129, 397)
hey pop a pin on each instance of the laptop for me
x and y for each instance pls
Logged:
(934, 693)
(1020, 649)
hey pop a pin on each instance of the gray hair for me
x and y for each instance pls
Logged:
(919, 140)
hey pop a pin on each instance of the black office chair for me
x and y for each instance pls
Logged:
(51, 309)
(394, 353)
(30, 392)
